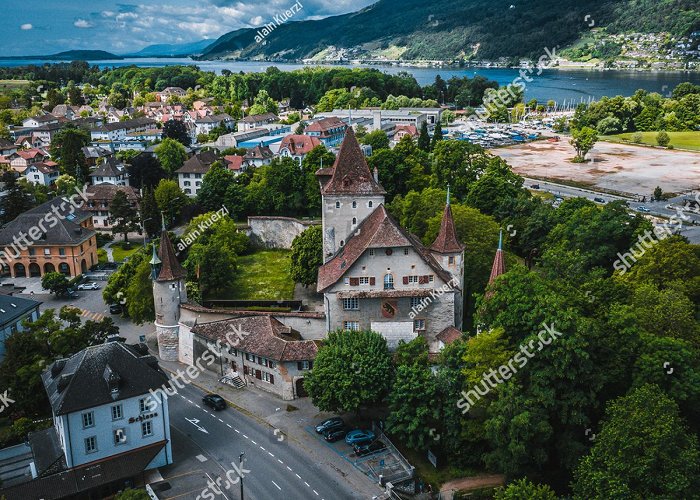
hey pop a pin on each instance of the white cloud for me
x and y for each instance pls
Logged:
(82, 23)
(256, 21)
(26, 27)
(107, 13)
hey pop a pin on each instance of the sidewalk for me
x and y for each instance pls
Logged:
(273, 412)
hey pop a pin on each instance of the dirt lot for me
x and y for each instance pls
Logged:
(619, 167)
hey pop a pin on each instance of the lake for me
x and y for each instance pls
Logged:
(560, 85)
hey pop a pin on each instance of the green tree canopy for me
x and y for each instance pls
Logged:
(307, 256)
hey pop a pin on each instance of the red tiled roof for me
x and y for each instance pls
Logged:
(234, 162)
(410, 129)
(325, 124)
(299, 144)
(351, 174)
(446, 241)
(378, 230)
(170, 268)
(449, 335)
(260, 335)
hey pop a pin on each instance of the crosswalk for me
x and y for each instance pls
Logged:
(91, 316)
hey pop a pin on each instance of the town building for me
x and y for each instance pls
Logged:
(206, 124)
(118, 131)
(38, 121)
(330, 131)
(44, 173)
(375, 274)
(297, 146)
(108, 427)
(13, 312)
(20, 160)
(100, 197)
(251, 122)
(169, 92)
(190, 175)
(259, 156)
(54, 236)
(7, 147)
(110, 171)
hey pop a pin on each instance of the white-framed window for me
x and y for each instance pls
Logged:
(250, 357)
(304, 365)
(346, 281)
(405, 251)
(354, 204)
(413, 279)
(119, 436)
(388, 282)
(88, 419)
(351, 325)
(91, 444)
(364, 280)
(371, 252)
(145, 404)
(351, 304)
(266, 377)
(117, 412)
(146, 428)
(418, 325)
(415, 301)
(337, 204)
(47, 251)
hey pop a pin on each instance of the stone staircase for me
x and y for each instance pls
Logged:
(233, 379)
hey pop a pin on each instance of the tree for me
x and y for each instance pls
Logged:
(123, 214)
(65, 184)
(583, 140)
(663, 139)
(139, 294)
(352, 369)
(75, 96)
(524, 489)
(67, 149)
(437, 135)
(307, 256)
(171, 200)
(56, 283)
(177, 130)
(658, 194)
(150, 215)
(171, 154)
(424, 137)
(216, 181)
(643, 450)
(132, 494)
(15, 201)
(145, 171)
(377, 139)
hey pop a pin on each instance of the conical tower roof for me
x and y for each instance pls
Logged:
(499, 266)
(170, 269)
(446, 241)
(351, 174)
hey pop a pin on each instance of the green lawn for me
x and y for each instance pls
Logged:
(101, 256)
(682, 140)
(121, 250)
(264, 275)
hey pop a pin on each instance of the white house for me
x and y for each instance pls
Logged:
(110, 171)
(44, 173)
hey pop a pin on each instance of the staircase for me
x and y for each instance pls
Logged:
(233, 379)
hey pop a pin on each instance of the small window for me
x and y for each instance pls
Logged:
(413, 279)
(31, 251)
(418, 325)
(342, 243)
(62, 251)
(117, 412)
(415, 302)
(450, 260)
(388, 282)
(88, 419)
(354, 204)
(119, 436)
(369, 204)
(354, 221)
(337, 204)
(267, 377)
(431, 278)
(304, 365)
(351, 304)
(351, 325)
(146, 428)
(364, 280)
(146, 404)
(346, 281)
(91, 444)
(405, 251)
(371, 252)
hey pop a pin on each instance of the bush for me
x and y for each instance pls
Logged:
(637, 138)
(103, 238)
(662, 139)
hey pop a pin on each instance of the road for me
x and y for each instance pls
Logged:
(278, 468)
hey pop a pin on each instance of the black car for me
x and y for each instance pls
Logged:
(599, 200)
(367, 449)
(333, 435)
(333, 423)
(115, 309)
(214, 401)
(535, 186)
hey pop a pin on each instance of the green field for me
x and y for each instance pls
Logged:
(680, 140)
(121, 250)
(9, 85)
(264, 275)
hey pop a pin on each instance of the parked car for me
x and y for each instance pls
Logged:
(214, 401)
(333, 423)
(367, 449)
(115, 309)
(334, 435)
(91, 285)
(535, 186)
(599, 200)
(643, 209)
(359, 436)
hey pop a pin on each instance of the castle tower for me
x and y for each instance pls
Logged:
(349, 193)
(168, 293)
(449, 253)
(499, 265)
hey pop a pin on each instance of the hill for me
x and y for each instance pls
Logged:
(72, 55)
(449, 29)
(172, 50)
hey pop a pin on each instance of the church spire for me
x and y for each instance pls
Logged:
(446, 241)
(499, 266)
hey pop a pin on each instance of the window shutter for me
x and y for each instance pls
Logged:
(405, 280)
(299, 365)
(272, 378)
(245, 370)
(258, 374)
(422, 279)
(372, 281)
(354, 281)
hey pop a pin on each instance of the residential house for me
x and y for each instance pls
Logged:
(38, 121)
(330, 131)
(169, 92)
(13, 311)
(43, 135)
(71, 112)
(95, 154)
(251, 122)
(100, 197)
(263, 352)
(298, 146)
(110, 171)
(43, 173)
(402, 131)
(189, 176)
(118, 131)
(7, 147)
(259, 156)
(108, 427)
(55, 236)
(206, 124)
(20, 160)
(235, 163)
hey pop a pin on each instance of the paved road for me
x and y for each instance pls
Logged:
(278, 469)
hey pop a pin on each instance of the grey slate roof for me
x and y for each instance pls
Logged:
(109, 168)
(79, 382)
(65, 231)
(13, 308)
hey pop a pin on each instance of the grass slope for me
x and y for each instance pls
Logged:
(264, 275)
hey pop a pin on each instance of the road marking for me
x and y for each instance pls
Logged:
(198, 406)
(221, 421)
(183, 397)
(289, 468)
(245, 436)
(201, 458)
(229, 426)
(276, 485)
(280, 461)
(315, 492)
(253, 442)
(297, 475)
(236, 430)
(270, 454)
(189, 400)
(194, 422)
(307, 484)
(263, 449)
(205, 411)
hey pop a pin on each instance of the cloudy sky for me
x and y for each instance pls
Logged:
(39, 27)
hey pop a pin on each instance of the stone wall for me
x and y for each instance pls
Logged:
(276, 232)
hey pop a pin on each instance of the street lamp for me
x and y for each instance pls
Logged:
(240, 462)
